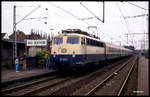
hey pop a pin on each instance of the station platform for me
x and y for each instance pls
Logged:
(143, 77)
(12, 75)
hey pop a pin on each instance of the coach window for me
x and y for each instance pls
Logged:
(58, 40)
(73, 40)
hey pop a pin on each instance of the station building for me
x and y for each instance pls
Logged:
(7, 46)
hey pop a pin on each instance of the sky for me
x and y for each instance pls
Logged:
(113, 30)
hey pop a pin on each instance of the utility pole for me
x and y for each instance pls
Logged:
(103, 12)
(14, 30)
(137, 34)
(144, 39)
(127, 37)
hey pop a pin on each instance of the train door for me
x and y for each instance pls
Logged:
(83, 43)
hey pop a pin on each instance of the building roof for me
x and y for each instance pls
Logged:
(34, 36)
(20, 35)
(2, 35)
(12, 41)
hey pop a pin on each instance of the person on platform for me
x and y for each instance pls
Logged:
(24, 61)
(17, 64)
(47, 60)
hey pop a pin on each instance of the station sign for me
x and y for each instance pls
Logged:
(36, 42)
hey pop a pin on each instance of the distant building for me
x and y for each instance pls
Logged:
(7, 46)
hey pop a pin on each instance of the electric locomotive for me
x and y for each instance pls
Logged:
(75, 48)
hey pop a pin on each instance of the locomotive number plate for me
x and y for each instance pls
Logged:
(63, 50)
(63, 59)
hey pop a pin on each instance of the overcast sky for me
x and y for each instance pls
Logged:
(113, 30)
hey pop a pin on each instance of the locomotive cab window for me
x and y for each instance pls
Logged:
(73, 40)
(83, 41)
(58, 40)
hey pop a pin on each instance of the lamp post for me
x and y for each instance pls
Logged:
(50, 43)
(14, 28)
(51, 32)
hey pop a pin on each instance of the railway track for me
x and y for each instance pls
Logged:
(25, 79)
(36, 86)
(76, 85)
(115, 82)
(41, 86)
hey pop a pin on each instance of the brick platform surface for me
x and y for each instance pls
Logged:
(143, 77)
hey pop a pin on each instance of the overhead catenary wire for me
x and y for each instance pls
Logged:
(26, 6)
(28, 14)
(123, 17)
(137, 6)
(68, 13)
(37, 18)
(102, 21)
(87, 18)
(124, 20)
(76, 16)
(135, 16)
(126, 26)
(91, 12)
(142, 15)
(113, 37)
(105, 33)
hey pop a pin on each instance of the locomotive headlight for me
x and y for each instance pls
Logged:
(73, 55)
(54, 55)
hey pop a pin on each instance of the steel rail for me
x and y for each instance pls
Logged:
(47, 86)
(41, 88)
(26, 85)
(38, 89)
(96, 87)
(127, 77)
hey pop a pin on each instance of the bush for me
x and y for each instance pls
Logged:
(40, 55)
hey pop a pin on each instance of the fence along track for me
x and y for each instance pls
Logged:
(106, 79)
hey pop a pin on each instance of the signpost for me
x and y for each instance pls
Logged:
(36, 42)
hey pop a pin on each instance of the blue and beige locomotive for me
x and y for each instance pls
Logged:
(74, 48)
